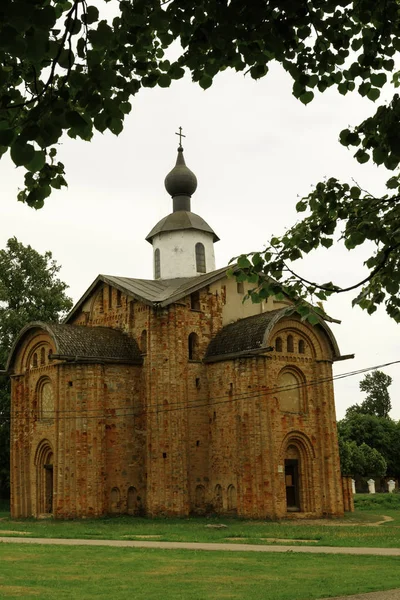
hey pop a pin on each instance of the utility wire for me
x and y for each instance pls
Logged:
(206, 402)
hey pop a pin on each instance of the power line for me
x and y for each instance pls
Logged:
(206, 402)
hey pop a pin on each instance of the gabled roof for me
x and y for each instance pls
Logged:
(159, 292)
(82, 344)
(249, 336)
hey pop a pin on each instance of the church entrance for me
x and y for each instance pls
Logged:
(292, 485)
(44, 478)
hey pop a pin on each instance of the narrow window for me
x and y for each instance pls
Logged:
(101, 300)
(157, 264)
(143, 341)
(290, 347)
(193, 344)
(200, 258)
(240, 287)
(195, 301)
(302, 347)
(278, 344)
(109, 296)
(35, 361)
(42, 357)
(119, 296)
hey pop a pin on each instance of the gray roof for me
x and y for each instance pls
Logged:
(76, 342)
(242, 337)
(159, 292)
(250, 336)
(181, 220)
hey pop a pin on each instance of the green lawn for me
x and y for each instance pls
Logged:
(356, 529)
(85, 573)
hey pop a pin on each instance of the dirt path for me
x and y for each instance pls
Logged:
(389, 595)
(205, 546)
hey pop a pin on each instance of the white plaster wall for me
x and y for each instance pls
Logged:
(234, 308)
(177, 252)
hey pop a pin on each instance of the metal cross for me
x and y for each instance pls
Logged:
(180, 136)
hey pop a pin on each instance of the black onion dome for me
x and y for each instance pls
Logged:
(181, 181)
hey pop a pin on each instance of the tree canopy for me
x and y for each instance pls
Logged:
(66, 68)
(30, 290)
(379, 433)
(361, 460)
(377, 402)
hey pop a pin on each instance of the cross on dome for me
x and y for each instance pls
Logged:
(181, 135)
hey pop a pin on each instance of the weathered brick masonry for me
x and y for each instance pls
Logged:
(193, 415)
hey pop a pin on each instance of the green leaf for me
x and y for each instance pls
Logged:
(164, 80)
(307, 97)
(22, 154)
(92, 15)
(243, 262)
(392, 183)
(362, 156)
(373, 94)
(378, 79)
(205, 82)
(301, 206)
(38, 161)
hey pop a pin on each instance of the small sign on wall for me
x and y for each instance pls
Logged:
(280, 469)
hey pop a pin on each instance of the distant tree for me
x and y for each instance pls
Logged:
(361, 460)
(29, 291)
(377, 402)
(378, 433)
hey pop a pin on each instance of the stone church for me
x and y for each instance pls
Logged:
(171, 396)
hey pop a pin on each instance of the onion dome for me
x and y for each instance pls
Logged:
(181, 183)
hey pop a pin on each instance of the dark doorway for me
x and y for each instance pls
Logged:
(48, 483)
(292, 485)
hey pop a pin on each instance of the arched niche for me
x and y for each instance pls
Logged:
(291, 390)
(45, 399)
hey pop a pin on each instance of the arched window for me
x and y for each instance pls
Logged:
(200, 258)
(302, 347)
(143, 342)
(35, 361)
(46, 399)
(42, 356)
(278, 344)
(289, 341)
(157, 264)
(232, 499)
(289, 392)
(193, 346)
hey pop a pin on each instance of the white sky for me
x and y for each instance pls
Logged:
(254, 149)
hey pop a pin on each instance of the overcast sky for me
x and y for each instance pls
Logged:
(254, 149)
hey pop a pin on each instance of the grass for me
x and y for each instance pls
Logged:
(85, 573)
(356, 529)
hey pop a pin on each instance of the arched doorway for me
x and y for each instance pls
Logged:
(292, 480)
(299, 485)
(44, 478)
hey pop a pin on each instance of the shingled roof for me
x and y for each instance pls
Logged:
(243, 337)
(83, 344)
(250, 336)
